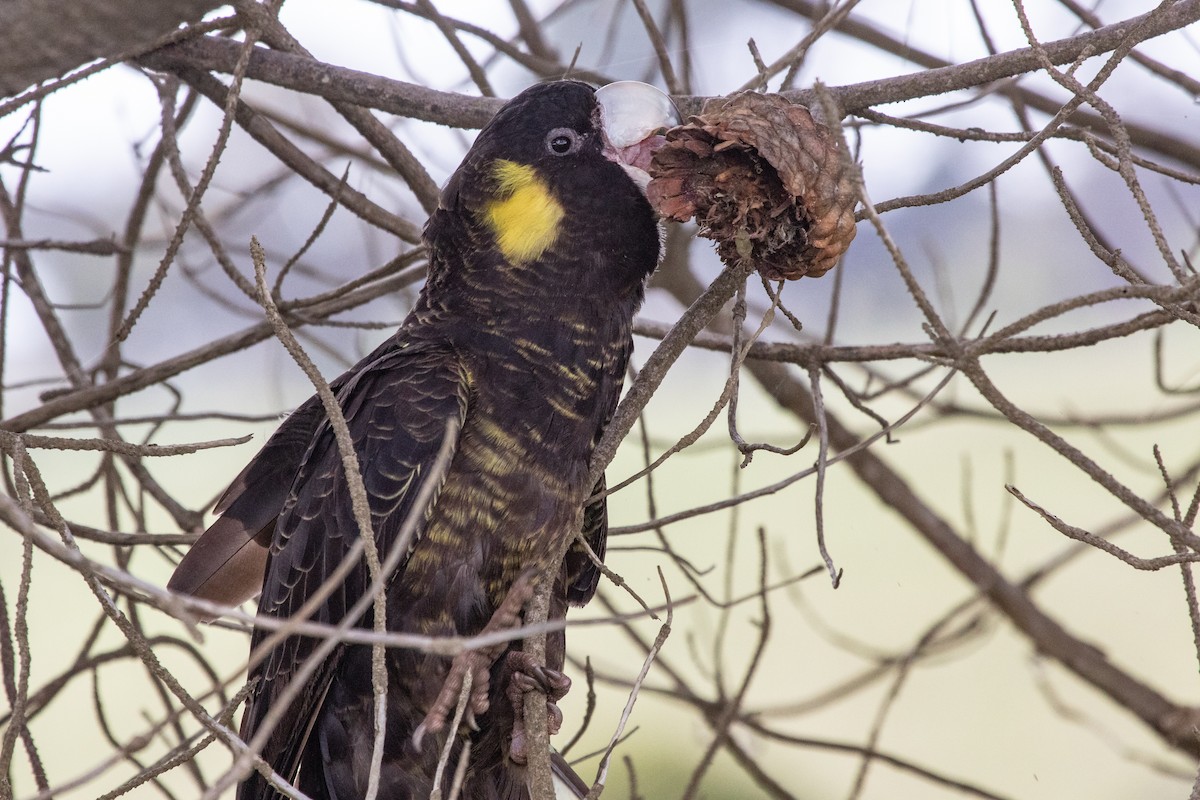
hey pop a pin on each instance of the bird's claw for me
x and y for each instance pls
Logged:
(478, 664)
(526, 675)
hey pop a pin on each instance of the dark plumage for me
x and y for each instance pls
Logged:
(518, 343)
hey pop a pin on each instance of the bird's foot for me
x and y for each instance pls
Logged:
(529, 676)
(477, 663)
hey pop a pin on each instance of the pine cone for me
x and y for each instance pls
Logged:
(764, 180)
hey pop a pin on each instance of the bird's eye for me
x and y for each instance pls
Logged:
(562, 141)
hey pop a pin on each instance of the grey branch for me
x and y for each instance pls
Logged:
(42, 39)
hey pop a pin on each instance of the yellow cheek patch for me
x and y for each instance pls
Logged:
(525, 217)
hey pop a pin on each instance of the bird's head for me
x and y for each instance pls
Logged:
(560, 170)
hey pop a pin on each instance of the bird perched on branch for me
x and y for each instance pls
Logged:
(489, 399)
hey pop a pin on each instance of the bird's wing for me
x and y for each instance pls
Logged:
(567, 783)
(582, 573)
(226, 564)
(400, 411)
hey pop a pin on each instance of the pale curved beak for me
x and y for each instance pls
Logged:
(633, 117)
